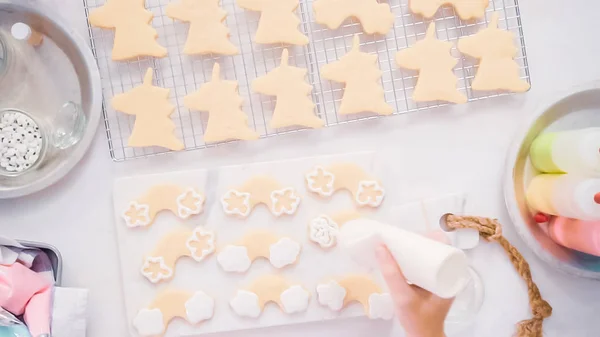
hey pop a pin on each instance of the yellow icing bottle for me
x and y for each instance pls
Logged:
(565, 195)
(575, 151)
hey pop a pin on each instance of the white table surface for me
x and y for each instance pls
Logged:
(445, 150)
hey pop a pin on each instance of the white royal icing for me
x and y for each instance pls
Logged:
(310, 181)
(199, 307)
(275, 195)
(184, 211)
(245, 304)
(236, 211)
(165, 273)
(294, 299)
(149, 322)
(381, 306)
(324, 231)
(199, 256)
(234, 259)
(141, 210)
(284, 252)
(373, 202)
(331, 295)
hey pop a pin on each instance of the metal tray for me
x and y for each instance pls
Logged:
(61, 36)
(54, 255)
(576, 108)
(183, 74)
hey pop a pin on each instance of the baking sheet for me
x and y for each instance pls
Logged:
(313, 266)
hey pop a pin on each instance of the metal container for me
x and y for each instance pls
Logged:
(80, 57)
(53, 254)
(573, 109)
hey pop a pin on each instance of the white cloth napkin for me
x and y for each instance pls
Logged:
(69, 313)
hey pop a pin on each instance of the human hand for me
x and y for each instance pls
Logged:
(420, 312)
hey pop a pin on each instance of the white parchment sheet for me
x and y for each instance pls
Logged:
(314, 265)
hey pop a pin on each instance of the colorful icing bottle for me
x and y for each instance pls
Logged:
(565, 195)
(583, 236)
(575, 151)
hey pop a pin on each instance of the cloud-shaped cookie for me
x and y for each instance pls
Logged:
(238, 257)
(294, 299)
(193, 307)
(246, 304)
(199, 307)
(250, 301)
(160, 263)
(324, 230)
(284, 252)
(381, 306)
(331, 295)
(234, 259)
(149, 322)
(324, 181)
(240, 201)
(155, 269)
(337, 294)
(181, 201)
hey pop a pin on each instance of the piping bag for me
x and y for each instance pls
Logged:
(25, 292)
(439, 268)
(10, 326)
(426, 264)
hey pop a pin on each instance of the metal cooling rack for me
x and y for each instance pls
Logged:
(184, 74)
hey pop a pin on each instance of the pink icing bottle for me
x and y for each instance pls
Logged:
(580, 235)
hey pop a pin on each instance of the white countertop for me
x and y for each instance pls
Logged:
(444, 150)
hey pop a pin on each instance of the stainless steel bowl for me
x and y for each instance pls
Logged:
(577, 108)
(45, 21)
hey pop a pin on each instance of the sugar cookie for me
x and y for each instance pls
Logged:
(293, 107)
(182, 201)
(131, 22)
(374, 17)
(431, 57)
(152, 110)
(250, 302)
(366, 191)
(170, 303)
(208, 34)
(278, 23)
(240, 201)
(495, 50)
(337, 294)
(220, 98)
(324, 230)
(361, 76)
(466, 9)
(280, 251)
(160, 263)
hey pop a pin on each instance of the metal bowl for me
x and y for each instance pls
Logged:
(75, 48)
(577, 108)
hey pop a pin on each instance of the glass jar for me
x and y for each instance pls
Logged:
(25, 146)
(14, 74)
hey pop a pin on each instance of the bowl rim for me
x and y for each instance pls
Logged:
(95, 105)
(510, 197)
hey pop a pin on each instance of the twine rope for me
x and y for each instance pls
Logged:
(491, 230)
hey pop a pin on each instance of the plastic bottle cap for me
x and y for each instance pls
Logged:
(597, 198)
(540, 218)
(20, 31)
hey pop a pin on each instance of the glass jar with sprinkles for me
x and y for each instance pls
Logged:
(23, 142)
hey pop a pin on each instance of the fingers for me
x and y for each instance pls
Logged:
(391, 272)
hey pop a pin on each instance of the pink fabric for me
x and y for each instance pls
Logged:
(23, 291)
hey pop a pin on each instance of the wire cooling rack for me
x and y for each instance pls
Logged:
(184, 74)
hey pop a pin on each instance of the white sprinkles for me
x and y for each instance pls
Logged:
(20, 142)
